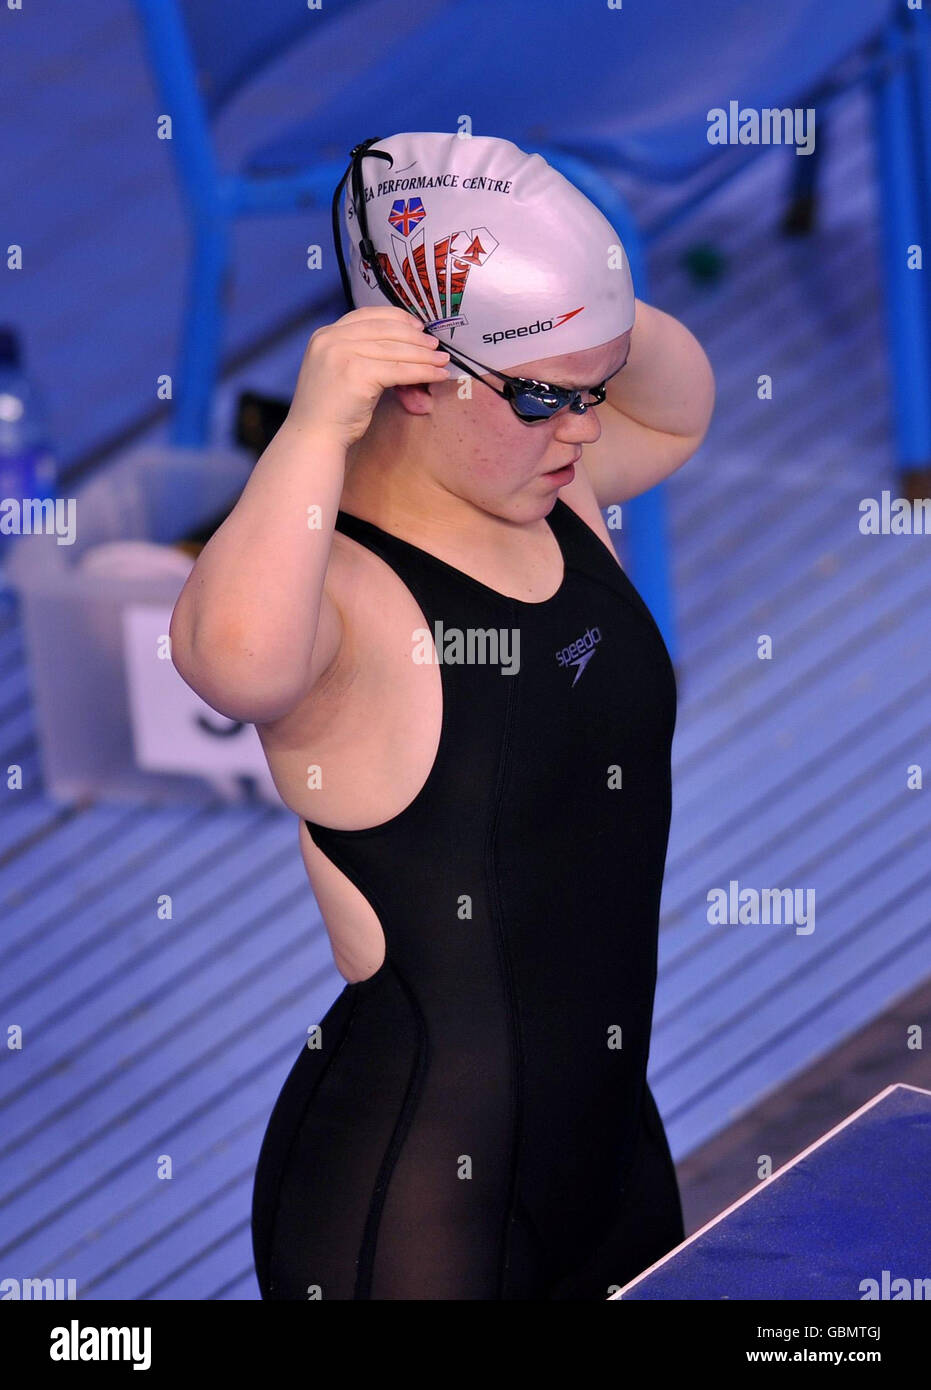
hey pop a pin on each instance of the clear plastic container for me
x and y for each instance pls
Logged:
(76, 624)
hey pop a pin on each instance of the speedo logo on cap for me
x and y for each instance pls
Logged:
(540, 326)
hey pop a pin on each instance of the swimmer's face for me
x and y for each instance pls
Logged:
(500, 463)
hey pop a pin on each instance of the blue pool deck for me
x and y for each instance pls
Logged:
(146, 1038)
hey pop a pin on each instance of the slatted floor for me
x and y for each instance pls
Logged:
(146, 1038)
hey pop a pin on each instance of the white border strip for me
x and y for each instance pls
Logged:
(896, 1086)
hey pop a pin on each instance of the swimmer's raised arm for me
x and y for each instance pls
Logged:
(656, 412)
(254, 627)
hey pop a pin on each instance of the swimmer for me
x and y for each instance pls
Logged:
(486, 846)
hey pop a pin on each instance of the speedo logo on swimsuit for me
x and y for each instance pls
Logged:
(540, 326)
(580, 652)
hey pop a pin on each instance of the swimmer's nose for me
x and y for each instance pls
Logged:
(579, 427)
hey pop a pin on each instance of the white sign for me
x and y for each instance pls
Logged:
(174, 730)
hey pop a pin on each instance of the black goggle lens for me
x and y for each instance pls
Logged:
(533, 405)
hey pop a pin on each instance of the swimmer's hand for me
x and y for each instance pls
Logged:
(349, 363)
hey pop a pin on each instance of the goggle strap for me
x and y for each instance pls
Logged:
(366, 246)
(343, 275)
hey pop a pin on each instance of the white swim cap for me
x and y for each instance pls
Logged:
(502, 257)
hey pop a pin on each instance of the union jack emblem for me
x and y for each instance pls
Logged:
(405, 215)
(430, 282)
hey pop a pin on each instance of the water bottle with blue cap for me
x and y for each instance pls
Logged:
(28, 468)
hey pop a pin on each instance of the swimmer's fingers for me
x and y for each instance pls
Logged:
(347, 365)
(384, 321)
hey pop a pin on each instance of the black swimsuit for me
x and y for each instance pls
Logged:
(476, 1123)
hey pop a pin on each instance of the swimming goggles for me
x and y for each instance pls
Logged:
(531, 401)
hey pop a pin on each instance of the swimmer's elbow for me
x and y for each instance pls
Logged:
(230, 677)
